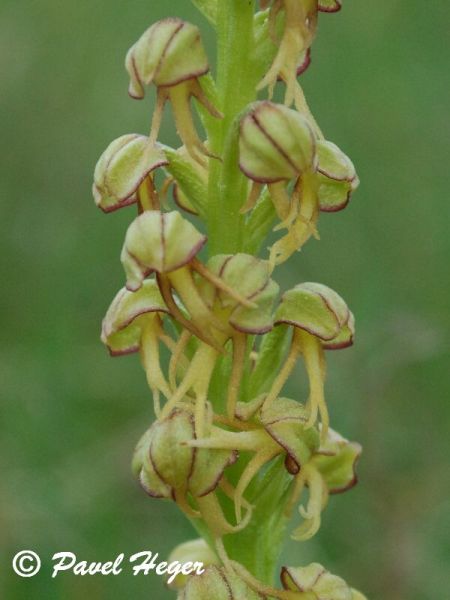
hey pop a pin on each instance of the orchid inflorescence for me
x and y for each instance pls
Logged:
(216, 342)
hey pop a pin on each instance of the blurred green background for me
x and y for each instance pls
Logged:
(70, 415)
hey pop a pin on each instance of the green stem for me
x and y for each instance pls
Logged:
(236, 85)
(258, 546)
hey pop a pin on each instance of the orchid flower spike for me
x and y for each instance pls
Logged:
(170, 54)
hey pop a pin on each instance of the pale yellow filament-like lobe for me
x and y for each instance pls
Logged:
(200, 370)
(177, 356)
(303, 227)
(202, 317)
(237, 370)
(286, 370)
(150, 357)
(314, 362)
(147, 195)
(214, 518)
(180, 97)
(318, 496)
(252, 198)
(161, 99)
(256, 463)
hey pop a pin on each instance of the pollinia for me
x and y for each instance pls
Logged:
(202, 308)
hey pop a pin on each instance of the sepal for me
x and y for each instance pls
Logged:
(168, 53)
(168, 467)
(320, 311)
(128, 313)
(336, 460)
(275, 144)
(121, 169)
(336, 177)
(285, 421)
(249, 277)
(191, 180)
(161, 242)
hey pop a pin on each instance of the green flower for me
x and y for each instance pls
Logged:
(169, 466)
(133, 323)
(123, 172)
(277, 146)
(320, 320)
(170, 55)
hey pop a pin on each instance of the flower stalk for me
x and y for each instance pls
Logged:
(227, 446)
